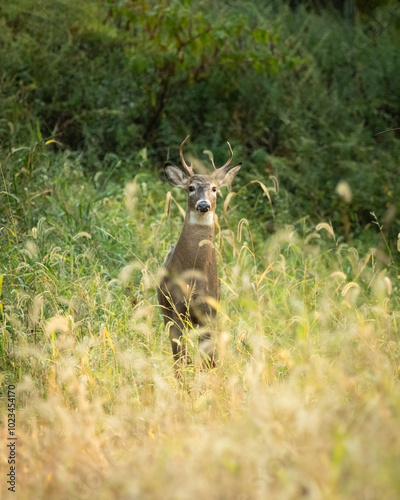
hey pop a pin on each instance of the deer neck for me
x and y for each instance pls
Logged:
(195, 246)
(199, 220)
(199, 226)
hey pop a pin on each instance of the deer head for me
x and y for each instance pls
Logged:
(201, 189)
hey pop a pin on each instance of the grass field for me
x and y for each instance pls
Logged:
(304, 401)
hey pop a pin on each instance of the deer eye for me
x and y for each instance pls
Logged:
(191, 188)
(213, 189)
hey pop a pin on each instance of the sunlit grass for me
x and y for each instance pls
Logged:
(304, 401)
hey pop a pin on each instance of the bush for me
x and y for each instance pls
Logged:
(300, 95)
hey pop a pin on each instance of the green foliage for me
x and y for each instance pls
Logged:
(300, 95)
(105, 85)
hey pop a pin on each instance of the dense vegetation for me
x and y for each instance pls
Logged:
(301, 95)
(304, 401)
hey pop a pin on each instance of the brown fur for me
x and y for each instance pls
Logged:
(189, 286)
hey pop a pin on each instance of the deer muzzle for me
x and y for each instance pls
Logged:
(203, 206)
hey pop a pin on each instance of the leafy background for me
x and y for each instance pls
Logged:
(95, 96)
(300, 92)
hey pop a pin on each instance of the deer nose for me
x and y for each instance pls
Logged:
(203, 206)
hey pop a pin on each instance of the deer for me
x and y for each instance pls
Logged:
(189, 287)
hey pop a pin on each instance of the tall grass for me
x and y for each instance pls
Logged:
(304, 401)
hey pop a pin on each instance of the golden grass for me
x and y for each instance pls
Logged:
(304, 401)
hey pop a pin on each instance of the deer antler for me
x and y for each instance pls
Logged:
(230, 157)
(189, 169)
(228, 162)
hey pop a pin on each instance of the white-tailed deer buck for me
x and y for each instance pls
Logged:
(189, 286)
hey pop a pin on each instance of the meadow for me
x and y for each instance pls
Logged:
(304, 401)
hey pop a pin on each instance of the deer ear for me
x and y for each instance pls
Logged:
(175, 176)
(224, 177)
